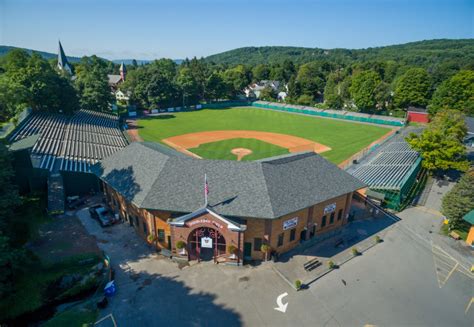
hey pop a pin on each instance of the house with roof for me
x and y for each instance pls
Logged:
(280, 201)
(254, 89)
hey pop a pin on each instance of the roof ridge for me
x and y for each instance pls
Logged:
(157, 176)
(266, 189)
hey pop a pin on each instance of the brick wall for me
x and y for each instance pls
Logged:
(268, 230)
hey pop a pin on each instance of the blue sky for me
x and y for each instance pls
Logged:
(185, 28)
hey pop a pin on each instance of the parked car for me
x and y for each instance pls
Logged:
(104, 217)
(93, 212)
(74, 202)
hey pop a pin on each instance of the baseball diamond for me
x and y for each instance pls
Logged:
(337, 140)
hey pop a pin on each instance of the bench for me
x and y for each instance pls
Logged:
(312, 264)
(455, 235)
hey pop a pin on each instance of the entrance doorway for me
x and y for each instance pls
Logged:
(303, 236)
(247, 251)
(206, 243)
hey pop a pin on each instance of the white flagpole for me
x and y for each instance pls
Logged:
(205, 190)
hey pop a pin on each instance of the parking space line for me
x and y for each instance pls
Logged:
(469, 305)
(445, 265)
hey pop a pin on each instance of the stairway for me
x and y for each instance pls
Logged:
(55, 193)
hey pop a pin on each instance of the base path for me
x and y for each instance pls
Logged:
(133, 131)
(292, 143)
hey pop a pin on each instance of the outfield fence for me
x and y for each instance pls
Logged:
(329, 113)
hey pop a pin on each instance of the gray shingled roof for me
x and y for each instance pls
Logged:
(155, 177)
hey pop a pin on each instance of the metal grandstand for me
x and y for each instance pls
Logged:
(71, 143)
(392, 170)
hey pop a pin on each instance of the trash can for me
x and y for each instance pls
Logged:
(109, 289)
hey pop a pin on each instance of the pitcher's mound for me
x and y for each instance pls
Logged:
(241, 152)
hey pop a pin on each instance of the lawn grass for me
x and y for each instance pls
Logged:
(462, 233)
(345, 138)
(75, 317)
(222, 149)
(31, 287)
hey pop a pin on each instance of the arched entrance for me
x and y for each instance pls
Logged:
(205, 243)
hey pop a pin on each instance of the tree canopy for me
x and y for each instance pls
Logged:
(459, 201)
(456, 92)
(441, 143)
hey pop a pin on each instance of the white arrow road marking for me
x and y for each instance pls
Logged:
(281, 307)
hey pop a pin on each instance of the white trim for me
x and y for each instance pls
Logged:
(183, 219)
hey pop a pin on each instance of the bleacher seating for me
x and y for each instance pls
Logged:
(72, 143)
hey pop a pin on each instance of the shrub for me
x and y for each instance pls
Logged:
(377, 239)
(298, 284)
(180, 245)
(331, 264)
(151, 238)
(232, 249)
(265, 248)
(355, 251)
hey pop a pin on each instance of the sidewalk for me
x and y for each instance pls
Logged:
(338, 249)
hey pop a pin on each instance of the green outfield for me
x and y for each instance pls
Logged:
(344, 138)
(222, 149)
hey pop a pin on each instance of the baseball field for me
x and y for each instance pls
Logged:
(246, 133)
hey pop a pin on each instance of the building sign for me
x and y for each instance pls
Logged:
(204, 221)
(290, 223)
(330, 208)
(206, 242)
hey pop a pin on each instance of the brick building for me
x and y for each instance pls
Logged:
(279, 201)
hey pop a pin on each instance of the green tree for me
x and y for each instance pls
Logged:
(440, 144)
(459, 201)
(236, 80)
(268, 94)
(364, 89)
(92, 84)
(13, 98)
(188, 85)
(305, 100)
(261, 72)
(10, 258)
(413, 88)
(311, 78)
(336, 92)
(455, 93)
(215, 87)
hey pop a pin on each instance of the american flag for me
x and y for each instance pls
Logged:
(206, 189)
(206, 186)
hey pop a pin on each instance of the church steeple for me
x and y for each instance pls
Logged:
(123, 71)
(63, 64)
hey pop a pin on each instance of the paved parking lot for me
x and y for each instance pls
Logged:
(396, 283)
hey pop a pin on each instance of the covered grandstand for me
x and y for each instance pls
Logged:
(57, 152)
(391, 170)
(71, 143)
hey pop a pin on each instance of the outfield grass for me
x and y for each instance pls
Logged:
(222, 149)
(345, 138)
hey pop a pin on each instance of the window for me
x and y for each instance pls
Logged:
(339, 214)
(161, 235)
(257, 244)
(331, 219)
(145, 229)
(323, 223)
(292, 234)
(137, 222)
(280, 239)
